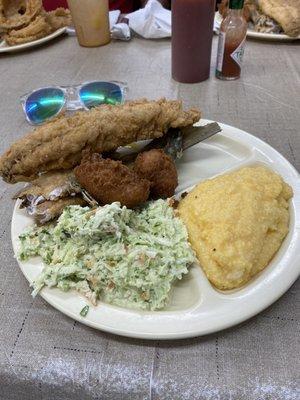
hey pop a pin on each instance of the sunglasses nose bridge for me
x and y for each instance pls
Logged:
(73, 102)
(72, 99)
(71, 93)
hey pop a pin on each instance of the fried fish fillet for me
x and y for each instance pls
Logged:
(49, 210)
(285, 12)
(59, 144)
(50, 186)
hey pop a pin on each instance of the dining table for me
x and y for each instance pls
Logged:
(48, 356)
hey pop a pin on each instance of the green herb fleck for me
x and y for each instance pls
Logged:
(84, 311)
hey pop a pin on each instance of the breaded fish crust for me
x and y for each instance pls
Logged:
(58, 144)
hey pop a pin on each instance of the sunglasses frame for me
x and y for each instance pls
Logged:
(68, 92)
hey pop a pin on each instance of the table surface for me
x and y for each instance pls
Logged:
(46, 355)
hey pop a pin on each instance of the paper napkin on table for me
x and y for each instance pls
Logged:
(151, 22)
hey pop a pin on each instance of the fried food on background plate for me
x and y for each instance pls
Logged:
(270, 16)
(159, 168)
(37, 29)
(23, 21)
(108, 181)
(58, 18)
(18, 13)
(58, 144)
(236, 223)
(40, 27)
(285, 12)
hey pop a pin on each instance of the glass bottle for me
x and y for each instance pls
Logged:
(232, 39)
(192, 33)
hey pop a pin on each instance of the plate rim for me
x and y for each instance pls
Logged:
(233, 321)
(17, 47)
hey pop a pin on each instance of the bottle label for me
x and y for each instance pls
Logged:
(221, 47)
(238, 53)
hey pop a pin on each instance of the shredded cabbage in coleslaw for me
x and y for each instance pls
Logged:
(129, 258)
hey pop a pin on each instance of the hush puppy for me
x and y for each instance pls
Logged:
(108, 181)
(158, 168)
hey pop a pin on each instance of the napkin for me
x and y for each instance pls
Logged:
(120, 31)
(217, 22)
(151, 22)
(113, 17)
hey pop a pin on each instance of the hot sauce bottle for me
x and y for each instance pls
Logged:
(232, 39)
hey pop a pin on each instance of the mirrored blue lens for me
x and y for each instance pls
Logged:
(44, 104)
(95, 93)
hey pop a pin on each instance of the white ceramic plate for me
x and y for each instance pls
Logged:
(256, 35)
(195, 308)
(4, 48)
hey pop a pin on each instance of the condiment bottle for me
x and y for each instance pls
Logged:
(232, 39)
(91, 21)
(192, 32)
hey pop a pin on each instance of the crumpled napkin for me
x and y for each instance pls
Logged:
(151, 22)
(119, 30)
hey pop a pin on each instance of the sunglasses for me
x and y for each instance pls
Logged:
(45, 103)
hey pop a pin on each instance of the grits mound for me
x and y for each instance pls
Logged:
(236, 223)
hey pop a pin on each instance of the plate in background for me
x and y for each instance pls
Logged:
(256, 35)
(4, 48)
